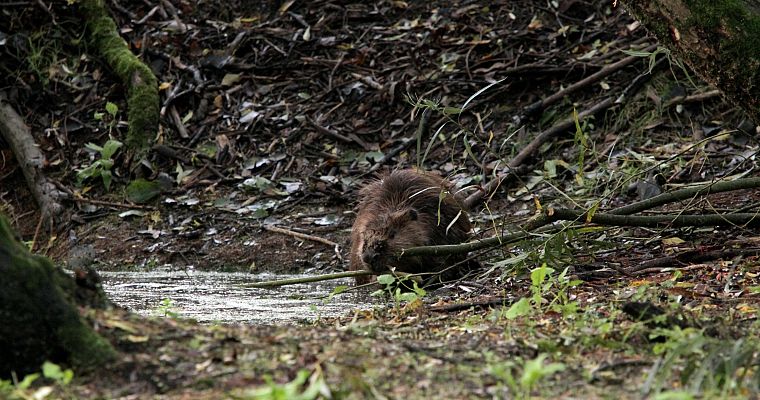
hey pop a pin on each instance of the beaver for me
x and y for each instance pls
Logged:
(404, 209)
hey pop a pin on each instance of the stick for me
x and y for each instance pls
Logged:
(300, 235)
(693, 98)
(567, 124)
(112, 204)
(309, 279)
(554, 215)
(682, 194)
(605, 71)
(337, 135)
(533, 146)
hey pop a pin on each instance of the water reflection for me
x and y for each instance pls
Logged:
(222, 297)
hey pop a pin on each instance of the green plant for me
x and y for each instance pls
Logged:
(548, 293)
(297, 389)
(102, 167)
(44, 54)
(702, 365)
(109, 117)
(398, 289)
(167, 309)
(12, 390)
(533, 372)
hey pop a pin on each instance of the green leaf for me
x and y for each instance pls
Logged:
(338, 290)
(522, 307)
(141, 191)
(53, 371)
(479, 92)
(386, 279)
(538, 275)
(27, 381)
(88, 173)
(110, 148)
(105, 163)
(677, 395)
(592, 211)
(93, 146)
(408, 296)
(451, 110)
(468, 149)
(112, 108)
(512, 260)
(105, 175)
(637, 53)
(534, 370)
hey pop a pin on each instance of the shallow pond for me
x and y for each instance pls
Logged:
(222, 297)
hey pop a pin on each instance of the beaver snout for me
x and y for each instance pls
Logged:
(372, 256)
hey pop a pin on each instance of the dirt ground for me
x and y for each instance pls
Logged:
(289, 105)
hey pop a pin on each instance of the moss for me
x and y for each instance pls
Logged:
(38, 322)
(143, 101)
(730, 22)
(141, 191)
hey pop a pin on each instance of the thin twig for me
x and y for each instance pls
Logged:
(464, 306)
(693, 98)
(299, 235)
(309, 279)
(112, 204)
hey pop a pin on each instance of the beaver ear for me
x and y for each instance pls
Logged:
(412, 214)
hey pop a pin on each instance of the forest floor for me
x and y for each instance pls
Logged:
(274, 115)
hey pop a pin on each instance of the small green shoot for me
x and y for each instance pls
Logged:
(167, 309)
(549, 293)
(109, 116)
(102, 167)
(394, 287)
(533, 372)
(297, 389)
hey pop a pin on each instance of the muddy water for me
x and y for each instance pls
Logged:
(222, 297)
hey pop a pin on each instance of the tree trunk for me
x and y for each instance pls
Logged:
(718, 39)
(38, 318)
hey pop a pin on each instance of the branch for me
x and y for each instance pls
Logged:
(655, 221)
(309, 279)
(553, 215)
(605, 71)
(567, 124)
(31, 160)
(533, 146)
(678, 195)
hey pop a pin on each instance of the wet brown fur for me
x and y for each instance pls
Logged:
(402, 210)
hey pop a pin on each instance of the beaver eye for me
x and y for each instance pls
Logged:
(391, 234)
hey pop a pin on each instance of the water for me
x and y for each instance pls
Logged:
(222, 297)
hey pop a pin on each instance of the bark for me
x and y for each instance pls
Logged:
(719, 40)
(31, 160)
(39, 319)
